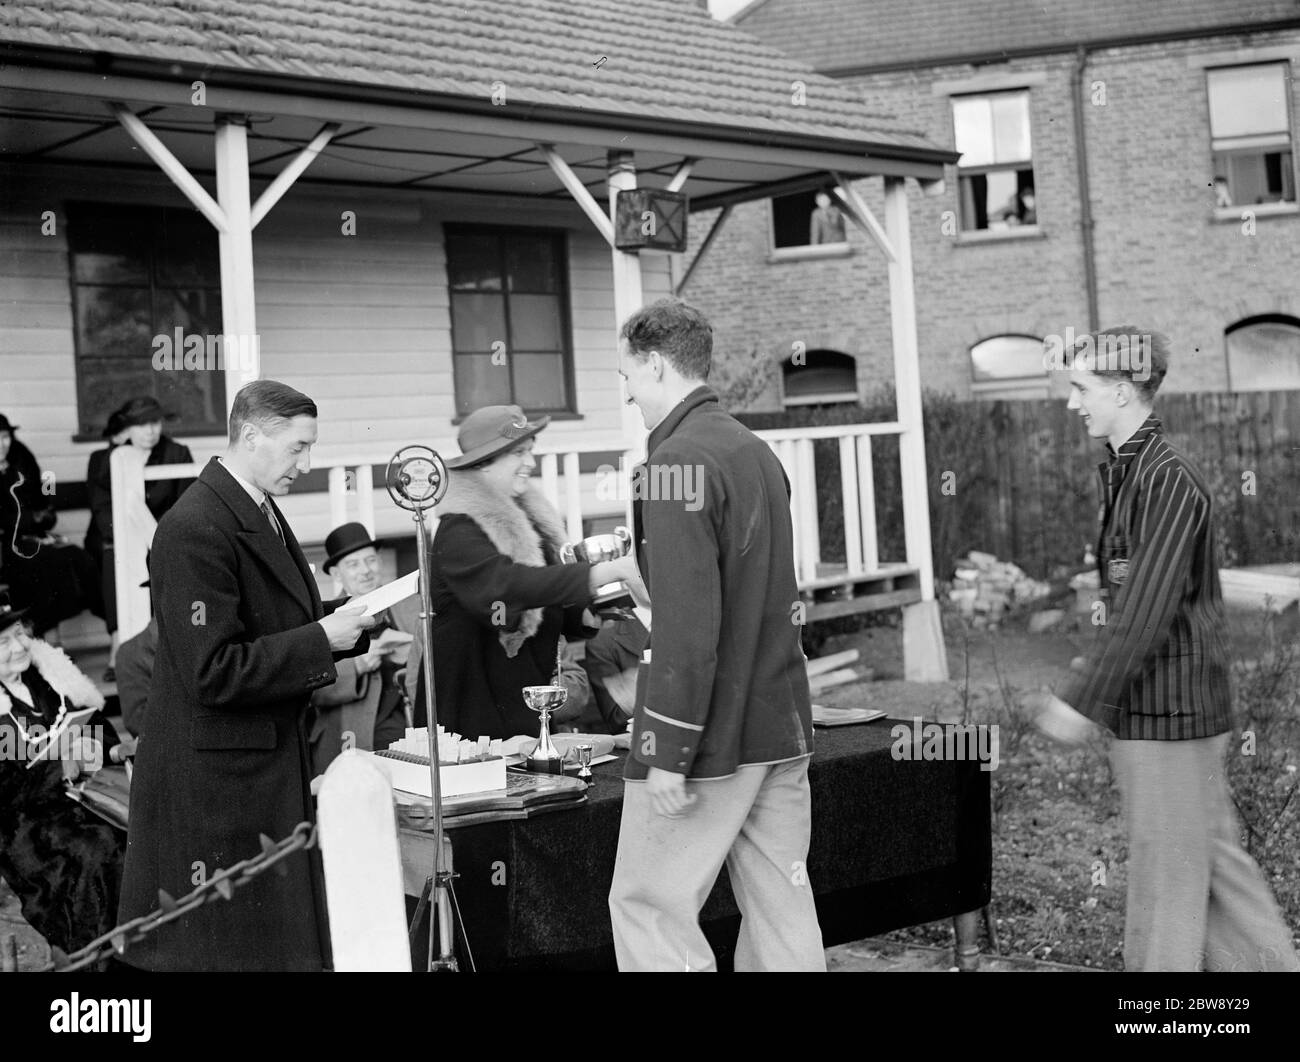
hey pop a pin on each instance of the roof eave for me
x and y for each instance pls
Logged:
(899, 157)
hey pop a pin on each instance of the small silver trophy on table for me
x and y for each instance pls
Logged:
(545, 758)
(612, 598)
(584, 763)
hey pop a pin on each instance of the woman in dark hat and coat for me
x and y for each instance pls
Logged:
(62, 861)
(50, 579)
(137, 423)
(500, 595)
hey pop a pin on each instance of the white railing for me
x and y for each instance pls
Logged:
(351, 477)
(351, 497)
(794, 448)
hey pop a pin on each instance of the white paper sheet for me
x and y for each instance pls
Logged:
(386, 596)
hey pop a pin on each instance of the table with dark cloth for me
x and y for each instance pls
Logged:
(894, 843)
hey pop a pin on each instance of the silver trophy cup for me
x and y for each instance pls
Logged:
(545, 758)
(597, 548)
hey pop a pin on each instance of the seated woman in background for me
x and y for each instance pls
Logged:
(137, 423)
(52, 579)
(63, 862)
(501, 598)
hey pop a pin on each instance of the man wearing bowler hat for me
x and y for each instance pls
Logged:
(365, 707)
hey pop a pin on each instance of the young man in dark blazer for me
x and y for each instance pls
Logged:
(722, 732)
(1158, 679)
(242, 643)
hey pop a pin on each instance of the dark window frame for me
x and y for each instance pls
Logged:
(1222, 151)
(1018, 167)
(158, 221)
(563, 296)
(1283, 319)
(1000, 386)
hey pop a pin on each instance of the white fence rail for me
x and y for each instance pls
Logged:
(352, 497)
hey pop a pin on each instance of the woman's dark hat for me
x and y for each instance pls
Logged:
(345, 539)
(490, 431)
(143, 410)
(115, 424)
(5, 425)
(9, 615)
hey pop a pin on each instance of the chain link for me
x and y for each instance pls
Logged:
(221, 886)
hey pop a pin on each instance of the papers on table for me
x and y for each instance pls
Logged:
(826, 716)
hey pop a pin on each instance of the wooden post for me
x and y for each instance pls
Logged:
(924, 656)
(363, 867)
(235, 243)
(338, 480)
(133, 528)
(573, 496)
(366, 496)
(628, 298)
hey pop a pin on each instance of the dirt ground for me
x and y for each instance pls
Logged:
(1059, 848)
(1058, 844)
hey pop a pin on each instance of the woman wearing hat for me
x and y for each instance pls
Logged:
(53, 580)
(136, 423)
(62, 861)
(501, 598)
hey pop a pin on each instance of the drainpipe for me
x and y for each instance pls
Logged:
(1085, 195)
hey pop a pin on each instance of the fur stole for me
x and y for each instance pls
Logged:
(517, 526)
(64, 678)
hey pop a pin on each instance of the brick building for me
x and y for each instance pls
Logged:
(1091, 140)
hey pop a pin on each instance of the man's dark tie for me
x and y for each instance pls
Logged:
(270, 516)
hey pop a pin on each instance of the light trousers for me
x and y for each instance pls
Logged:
(1193, 893)
(759, 822)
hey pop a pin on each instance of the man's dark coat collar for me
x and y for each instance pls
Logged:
(677, 414)
(287, 564)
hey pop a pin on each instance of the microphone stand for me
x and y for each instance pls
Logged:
(417, 481)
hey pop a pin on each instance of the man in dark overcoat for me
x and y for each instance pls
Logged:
(242, 643)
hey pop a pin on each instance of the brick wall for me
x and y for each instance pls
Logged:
(1163, 261)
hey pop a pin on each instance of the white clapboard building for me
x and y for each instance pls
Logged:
(406, 210)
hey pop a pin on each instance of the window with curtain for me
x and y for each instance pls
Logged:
(995, 174)
(1250, 134)
(509, 319)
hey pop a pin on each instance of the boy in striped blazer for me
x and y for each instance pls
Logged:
(1158, 680)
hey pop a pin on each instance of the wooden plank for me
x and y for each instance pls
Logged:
(806, 504)
(824, 664)
(867, 504)
(881, 574)
(832, 678)
(867, 603)
(850, 503)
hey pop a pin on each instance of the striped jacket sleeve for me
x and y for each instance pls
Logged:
(1170, 520)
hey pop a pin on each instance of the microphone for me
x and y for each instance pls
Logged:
(416, 478)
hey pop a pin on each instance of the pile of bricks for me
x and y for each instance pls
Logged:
(985, 588)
